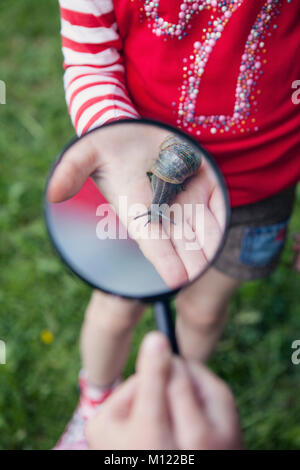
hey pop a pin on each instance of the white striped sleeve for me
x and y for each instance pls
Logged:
(94, 70)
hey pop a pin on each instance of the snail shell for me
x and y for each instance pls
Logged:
(176, 162)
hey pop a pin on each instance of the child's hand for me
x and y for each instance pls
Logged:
(168, 404)
(119, 157)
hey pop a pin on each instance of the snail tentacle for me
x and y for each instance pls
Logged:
(158, 216)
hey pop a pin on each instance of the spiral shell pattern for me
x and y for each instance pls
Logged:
(176, 161)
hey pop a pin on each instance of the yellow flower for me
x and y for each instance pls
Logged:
(47, 336)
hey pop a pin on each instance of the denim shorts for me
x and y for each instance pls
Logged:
(256, 237)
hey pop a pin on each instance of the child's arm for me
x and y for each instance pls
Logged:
(96, 94)
(94, 71)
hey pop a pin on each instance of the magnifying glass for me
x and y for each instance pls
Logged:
(150, 217)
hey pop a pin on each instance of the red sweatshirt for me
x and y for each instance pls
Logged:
(225, 71)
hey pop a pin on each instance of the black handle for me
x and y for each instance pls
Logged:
(163, 316)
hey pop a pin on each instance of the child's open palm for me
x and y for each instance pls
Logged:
(119, 157)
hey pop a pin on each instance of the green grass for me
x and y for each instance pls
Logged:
(38, 384)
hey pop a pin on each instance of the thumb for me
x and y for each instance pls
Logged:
(153, 368)
(76, 165)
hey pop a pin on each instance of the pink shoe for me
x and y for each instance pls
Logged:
(90, 399)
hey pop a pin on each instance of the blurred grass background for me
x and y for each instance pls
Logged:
(42, 305)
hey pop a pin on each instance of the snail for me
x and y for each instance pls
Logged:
(176, 162)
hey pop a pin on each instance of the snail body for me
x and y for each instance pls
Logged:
(177, 161)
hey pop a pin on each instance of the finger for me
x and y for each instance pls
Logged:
(119, 403)
(208, 233)
(153, 368)
(216, 205)
(72, 171)
(189, 421)
(155, 245)
(218, 401)
(210, 193)
(187, 247)
(189, 212)
(182, 234)
(166, 260)
(112, 413)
